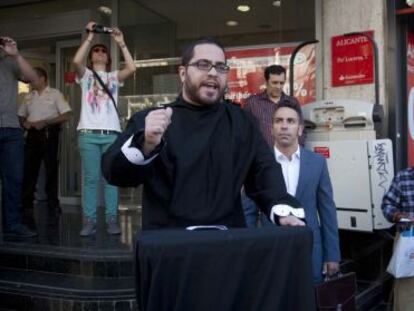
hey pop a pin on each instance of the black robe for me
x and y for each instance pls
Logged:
(210, 152)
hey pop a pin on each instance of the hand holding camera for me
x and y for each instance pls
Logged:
(118, 37)
(92, 28)
(97, 28)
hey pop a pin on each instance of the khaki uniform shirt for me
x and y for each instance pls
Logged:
(48, 105)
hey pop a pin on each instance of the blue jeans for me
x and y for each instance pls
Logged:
(91, 147)
(11, 172)
(250, 211)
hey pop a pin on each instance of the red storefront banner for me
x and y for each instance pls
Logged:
(410, 94)
(246, 76)
(352, 60)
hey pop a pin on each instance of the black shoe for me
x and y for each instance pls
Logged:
(20, 231)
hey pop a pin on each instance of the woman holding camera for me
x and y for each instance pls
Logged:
(99, 121)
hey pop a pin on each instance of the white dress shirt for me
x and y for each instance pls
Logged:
(290, 169)
(134, 155)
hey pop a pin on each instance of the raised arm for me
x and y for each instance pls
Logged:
(82, 52)
(127, 162)
(129, 68)
(10, 48)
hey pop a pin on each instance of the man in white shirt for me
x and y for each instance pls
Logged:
(306, 177)
(42, 113)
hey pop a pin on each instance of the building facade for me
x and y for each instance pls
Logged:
(255, 33)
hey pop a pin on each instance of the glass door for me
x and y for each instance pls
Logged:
(70, 169)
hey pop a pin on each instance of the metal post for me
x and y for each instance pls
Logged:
(292, 63)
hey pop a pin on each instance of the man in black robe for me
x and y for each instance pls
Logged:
(194, 155)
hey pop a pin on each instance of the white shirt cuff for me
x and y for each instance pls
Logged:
(134, 155)
(284, 210)
(272, 214)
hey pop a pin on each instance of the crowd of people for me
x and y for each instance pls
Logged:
(202, 160)
(41, 115)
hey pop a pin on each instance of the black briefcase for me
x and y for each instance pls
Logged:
(337, 293)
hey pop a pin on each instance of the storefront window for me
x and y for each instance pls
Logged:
(156, 32)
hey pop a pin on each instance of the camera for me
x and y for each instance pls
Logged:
(96, 28)
(2, 41)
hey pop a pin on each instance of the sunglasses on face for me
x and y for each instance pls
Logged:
(97, 50)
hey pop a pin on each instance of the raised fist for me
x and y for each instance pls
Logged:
(156, 123)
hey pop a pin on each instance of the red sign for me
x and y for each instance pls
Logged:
(246, 76)
(352, 60)
(323, 151)
(410, 94)
(70, 77)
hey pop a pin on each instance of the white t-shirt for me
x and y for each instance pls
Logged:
(97, 110)
(46, 106)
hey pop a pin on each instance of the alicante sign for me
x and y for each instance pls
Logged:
(352, 60)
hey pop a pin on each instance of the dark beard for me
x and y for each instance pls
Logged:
(191, 91)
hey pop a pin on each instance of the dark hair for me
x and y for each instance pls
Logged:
(274, 70)
(41, 72)
(292, 103)
(188, 52)
(89, 59)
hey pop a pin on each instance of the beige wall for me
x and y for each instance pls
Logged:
(338, 17)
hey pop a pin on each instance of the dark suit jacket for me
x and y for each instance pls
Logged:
(314, 192)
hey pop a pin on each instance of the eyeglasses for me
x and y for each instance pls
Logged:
(206, 65)
(97, 50)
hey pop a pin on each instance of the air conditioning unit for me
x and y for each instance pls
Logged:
(360, 166)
